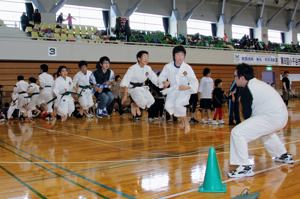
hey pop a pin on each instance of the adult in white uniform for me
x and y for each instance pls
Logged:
(265, 114)
(134, 84)
(179, 81)
(82, 86)
(23, 99)
(46, 83)
(63, 86)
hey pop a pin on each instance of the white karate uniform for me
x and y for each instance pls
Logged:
(14, 103)
(46, 94)
(23, 100)
(137, 74)
(34, 92)
(64, 104)
(269, 115)
(177, 100)
(86, 98)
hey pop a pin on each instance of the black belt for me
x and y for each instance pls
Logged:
(134, 85)
(85, 87)
(62, 95)
(32, 95)
(23, 92)
(47, 86)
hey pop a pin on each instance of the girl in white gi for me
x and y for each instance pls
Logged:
(34, 94)
(182, 82)
(265, 114)
(134, 83)
(83, 88)
(46, 83)
(63, 86)
(23, 99)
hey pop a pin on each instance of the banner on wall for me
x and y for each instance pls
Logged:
(288, 60)
(255, 59)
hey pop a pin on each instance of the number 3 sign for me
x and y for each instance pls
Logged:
(52, 51)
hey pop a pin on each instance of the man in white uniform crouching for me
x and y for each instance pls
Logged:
(265, 114)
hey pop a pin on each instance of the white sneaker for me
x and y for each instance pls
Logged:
(285, 158)
(221, 122)
(242, 171)
(214, 122)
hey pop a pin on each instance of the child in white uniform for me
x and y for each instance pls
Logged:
(134, 83)
(83, 88)
(179, 81)
(62, 89)
(46, 83)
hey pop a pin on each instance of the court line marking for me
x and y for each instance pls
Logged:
(23, 183)
(228, 180)
(57, 174)
(108, 142)
(71, 172)
(115, 141)
(104, 142)
(142, 159)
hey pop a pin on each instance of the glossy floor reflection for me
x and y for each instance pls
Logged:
(117, 158)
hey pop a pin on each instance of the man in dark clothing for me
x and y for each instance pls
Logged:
(156, 110)
(60, 19)
(24, 21)
(233, 104)
(101, 80)
(286, 87)
(36, 16)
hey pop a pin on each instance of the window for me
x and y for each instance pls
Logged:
(199, 26)
(239, 31)
(11, 11)
(274, 36)
(83, 15)
(148, 22)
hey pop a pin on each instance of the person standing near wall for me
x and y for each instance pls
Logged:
(286, 87)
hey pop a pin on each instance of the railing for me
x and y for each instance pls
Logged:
(17, 25)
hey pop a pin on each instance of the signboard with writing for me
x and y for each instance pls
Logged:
(253, 59)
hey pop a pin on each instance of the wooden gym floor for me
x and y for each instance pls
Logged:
(117, 158)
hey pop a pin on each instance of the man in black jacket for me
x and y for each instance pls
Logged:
(101, 80)
(24, 21)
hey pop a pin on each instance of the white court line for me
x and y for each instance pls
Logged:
(228, 180)
(109, 141)
(104, 142)
(62, 132)
(148, 159)
(197, 130)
